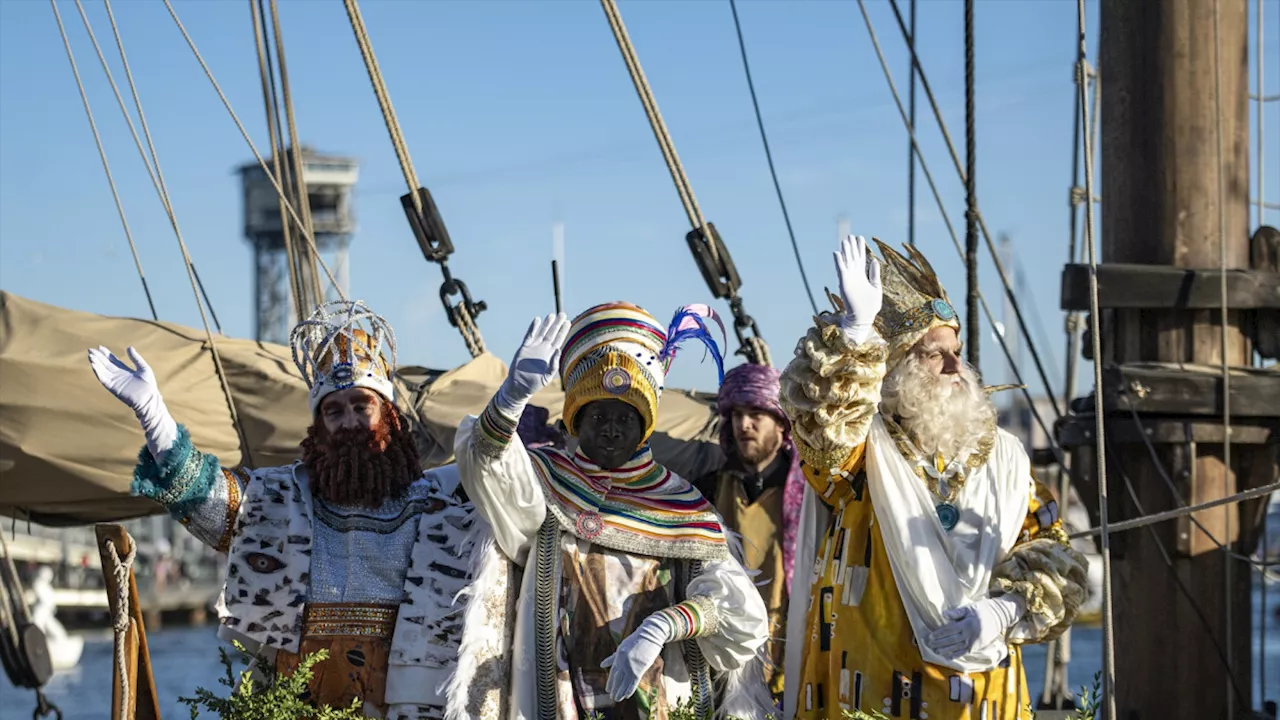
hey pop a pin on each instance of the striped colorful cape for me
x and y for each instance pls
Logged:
(641, 508)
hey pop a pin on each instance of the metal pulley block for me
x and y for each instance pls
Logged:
(721, 277)
(428, 227)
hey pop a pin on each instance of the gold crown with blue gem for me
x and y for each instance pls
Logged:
(914, 302)
(340, 346)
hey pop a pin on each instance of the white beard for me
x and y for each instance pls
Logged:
(944, 414)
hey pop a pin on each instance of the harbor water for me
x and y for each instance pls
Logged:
(187, 658)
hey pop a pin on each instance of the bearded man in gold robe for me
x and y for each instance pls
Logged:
(930, 552)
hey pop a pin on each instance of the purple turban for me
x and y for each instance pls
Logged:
(757, 386)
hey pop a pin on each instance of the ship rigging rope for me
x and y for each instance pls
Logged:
(764, 139)
(157, 178)
(293, 213)
(102, 153)
(971, 194)
(1201, 615)
(267, 77)
(1100, 438)
(123, 618)
(1177, 494)
(308, 269)
(1228, 568)
(465, 320)
(1176, 513)
(955, 240)
(982, 223)
(757, 350)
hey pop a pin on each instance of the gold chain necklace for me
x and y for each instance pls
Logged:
(959, 471)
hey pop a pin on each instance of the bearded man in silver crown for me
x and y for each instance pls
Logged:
(932, 553)
(352, 549)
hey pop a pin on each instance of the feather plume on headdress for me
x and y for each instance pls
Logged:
(690, 323)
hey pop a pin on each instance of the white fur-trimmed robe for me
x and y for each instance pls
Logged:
(264, 610)
(494, 679)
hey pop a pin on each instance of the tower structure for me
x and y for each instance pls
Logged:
(329, 182)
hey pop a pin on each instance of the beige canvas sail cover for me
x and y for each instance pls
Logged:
(67, 447)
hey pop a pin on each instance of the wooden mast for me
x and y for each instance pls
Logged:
(1161, 208)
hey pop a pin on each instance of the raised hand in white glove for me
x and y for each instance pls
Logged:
(536, 363)
(859, 287)
(975, 626)
(137, 388)
(635, 655)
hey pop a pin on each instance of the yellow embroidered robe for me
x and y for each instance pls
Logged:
(857, 645)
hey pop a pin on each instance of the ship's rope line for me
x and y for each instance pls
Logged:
(911, 149)
(466, 321)
(955, 239)
(307, 264)
(122, 619)
(106, 166)
(153, 161)
(1180, 512)
(1100, 442)
(1179, 498)
(1201, 615)
(384, 101)
(678, 175)
(977, 211)
(768, 154)
(1262, 175)
(293, 213)
(1228, 568)
(757, 347)
(971, 196)
(158, 179)
(142, 152)
(267, 78)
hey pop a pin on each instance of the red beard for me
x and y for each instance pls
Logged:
(361, 467)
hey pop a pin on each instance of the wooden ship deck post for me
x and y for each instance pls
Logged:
(1182, 629)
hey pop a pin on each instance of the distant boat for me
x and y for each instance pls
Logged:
(64, 649)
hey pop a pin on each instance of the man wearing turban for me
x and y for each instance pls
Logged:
(632, 601)
(929, 552)
(759, 490)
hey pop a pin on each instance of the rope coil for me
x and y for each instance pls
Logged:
(121, 620)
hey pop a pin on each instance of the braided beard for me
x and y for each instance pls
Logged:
(358, 467)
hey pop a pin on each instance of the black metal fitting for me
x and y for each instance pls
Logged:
(428, 228)
(721, 278)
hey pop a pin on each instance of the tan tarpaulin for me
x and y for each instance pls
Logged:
(67, 447)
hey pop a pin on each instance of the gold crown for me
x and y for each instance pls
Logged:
(914, 301)
(333, 352)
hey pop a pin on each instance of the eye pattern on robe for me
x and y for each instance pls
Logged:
(263, 563)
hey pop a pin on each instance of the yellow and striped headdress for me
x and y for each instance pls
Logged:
(618, 351)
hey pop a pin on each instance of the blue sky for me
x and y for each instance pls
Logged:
(519, 114)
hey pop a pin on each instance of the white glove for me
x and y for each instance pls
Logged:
(536, 363)
(635, 655)
(137, 389)
(859, 288)
(975, 626)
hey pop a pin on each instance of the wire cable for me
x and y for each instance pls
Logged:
(764, 139)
